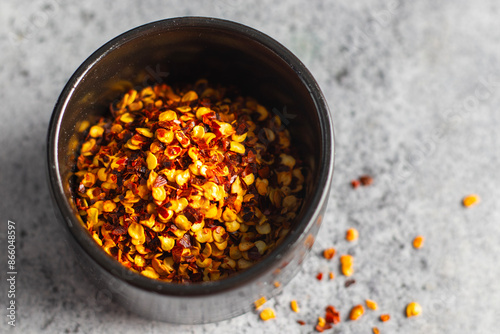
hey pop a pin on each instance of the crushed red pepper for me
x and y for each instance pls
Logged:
(188, 185)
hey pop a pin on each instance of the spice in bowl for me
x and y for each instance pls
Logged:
(188, 185)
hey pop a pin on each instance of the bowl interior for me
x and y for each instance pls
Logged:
(183, 51)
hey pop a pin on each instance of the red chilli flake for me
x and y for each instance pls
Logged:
(319, 276)
(301, 322)
(355, 184)
(349, 282)
(332, 315)
(366, 180)
(323, 328)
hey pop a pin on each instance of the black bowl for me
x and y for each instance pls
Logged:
(183, 50)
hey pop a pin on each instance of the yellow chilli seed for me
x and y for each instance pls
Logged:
(184, 109)
(182, 178)
(232, 226)
(92, 216)
(207, 138)
(205, 263)
(109, 206)
(221, 245)
(207, 250)
(249, 179)
(150, 272)
(88, 180)
(261, 246)
(287, 160)
(197, 226)
(182, 222)
(269, 134)
(262, 112)
(127, 118)
(189, 96)
(159, 194)
(264, 228)
(261, 185)
(145, 132)
(239, 138)
(237, 147)
(88, 146)
(136, 231)
(234, 253)
(204, 235)
(167, 116)
(202, 111)
(226, 129)
(102, 175)
(165, 136)
(245, 245)
(139, 261)
(198, 132)
(244, 264)
(96, 131)
(229, 215)
(151, 161)
(167, 243)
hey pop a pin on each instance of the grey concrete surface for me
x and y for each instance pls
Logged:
(414, 89)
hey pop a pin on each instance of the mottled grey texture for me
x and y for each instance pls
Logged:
(405, 84)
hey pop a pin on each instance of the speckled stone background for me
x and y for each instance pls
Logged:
(414, 89)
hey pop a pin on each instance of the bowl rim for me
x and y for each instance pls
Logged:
(310, 217)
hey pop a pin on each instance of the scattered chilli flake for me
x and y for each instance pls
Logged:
(413, 309)
(331, 275)
(418, 242)
(322, 325)
(294, 306)
(349, 282)
(346, 262)
(319, 276)
(385, 317)
(356, 312)
(355, 184)
(267, 314)
(375, 330)
(470, 200)
(259, 302)
(329, 253)
(372, 305)
(366, 180)
(351, 234)
(332, 315)
(301, 322)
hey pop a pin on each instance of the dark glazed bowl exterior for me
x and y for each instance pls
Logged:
(183, 50)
